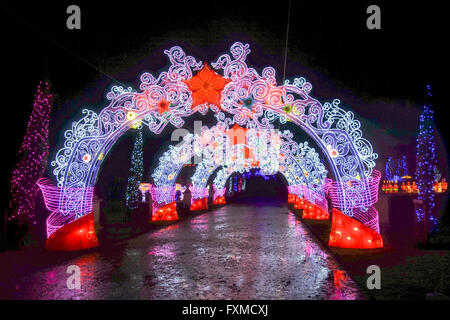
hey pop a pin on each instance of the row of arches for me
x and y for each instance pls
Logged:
(235, 150)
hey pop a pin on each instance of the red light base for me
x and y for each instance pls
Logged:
(291, 198)
(220, 200)
(310, 210)
(77, 235)
(167, 212)
(347, 232)
(199, 204)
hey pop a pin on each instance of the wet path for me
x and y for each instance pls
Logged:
(240, 251)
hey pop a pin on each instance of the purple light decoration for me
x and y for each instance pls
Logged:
(33, 152)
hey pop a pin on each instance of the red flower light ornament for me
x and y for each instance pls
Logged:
(206, 86)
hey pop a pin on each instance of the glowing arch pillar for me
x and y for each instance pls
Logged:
(77, 235)
(361, 230)
(164, 206)
(219, 195)
(237, 89)
(68, 230)
(199, 198)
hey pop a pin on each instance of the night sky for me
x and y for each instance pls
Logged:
(378, 74)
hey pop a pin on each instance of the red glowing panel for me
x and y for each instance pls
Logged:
(167, 212)
(220, 200)
(299, 203)
(199, 204)
(347, 232)
(311, 211)
(77, 235)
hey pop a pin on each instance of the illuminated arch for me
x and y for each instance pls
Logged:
(240, 91)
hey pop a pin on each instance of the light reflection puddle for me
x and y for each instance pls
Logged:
(166, 251)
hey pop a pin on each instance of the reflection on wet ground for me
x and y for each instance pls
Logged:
(245, 251)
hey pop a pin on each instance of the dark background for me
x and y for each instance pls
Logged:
(378, 74)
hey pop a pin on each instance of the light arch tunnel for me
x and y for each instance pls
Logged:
(253, 100)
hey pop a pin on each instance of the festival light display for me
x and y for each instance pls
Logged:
(362, 203)
(252, 98)
(440, 186)
(33, 155)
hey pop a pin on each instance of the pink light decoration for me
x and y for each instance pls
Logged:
(368, 218)
(51, 193)
(199, 198)
(33, 152)
(352, 195)
(303, 192)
